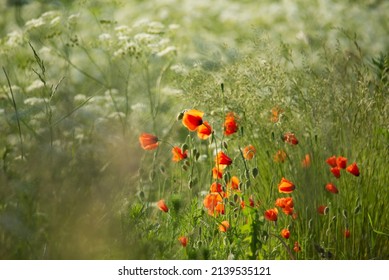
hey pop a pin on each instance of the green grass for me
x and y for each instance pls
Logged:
(80, 83)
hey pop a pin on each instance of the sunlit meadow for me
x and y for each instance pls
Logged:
(194, 129)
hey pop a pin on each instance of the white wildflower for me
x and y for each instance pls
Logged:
(37, 84)
(155, 27)
(167, 50)
(35, 101)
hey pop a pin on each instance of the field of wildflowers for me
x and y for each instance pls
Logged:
(194, 129)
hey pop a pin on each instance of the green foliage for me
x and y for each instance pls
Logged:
(81, 80)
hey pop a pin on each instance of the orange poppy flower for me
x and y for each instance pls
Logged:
(285, 233)
(341, 162)
(216, 187)
(271, 214)
(276, 114)
(296, 247)
(178, 155)
(280, 156)
(183, 240)
(285, 202)
(234, 183)
(353, 169)
(148, 141)
(290, 138)
(286, 186)
(217, 173)
(224, 226)
(288, 210)
(242, 204)
(192, 119)
(331, 188)
(336, 171)
(220, 209)
(222, 159)
(306, 162)
(331, 161)
(249, 152)
(230, 125)
(204, 130)
(251, 201)
(322, 209)
(346, 233)
(162, 206)
(211, 202)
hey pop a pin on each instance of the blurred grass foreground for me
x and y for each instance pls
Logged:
(81, 80)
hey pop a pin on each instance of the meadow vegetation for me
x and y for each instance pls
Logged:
(194, 129)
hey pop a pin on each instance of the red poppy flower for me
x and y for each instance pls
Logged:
(178, 155)
(353, 169)
(341, 162)
(285, 233)
(347, 233)
(276, 114)
(290, 138)
(331, 188)
(322, 209)
(296, 247)
(285, 202)
(331, 161)
(336, 171)
(249, 152)
(220, 209)
(216, 187)
(280, 156)
(211, 202)
(183, 240)
(204, 130)
(162, 206)
(286, 186)
(230, 125)
(234, 183)
(224, 226)
(222, 159)
(251, 201)
(192, 119)
(306, 162)
(148, 141)
(271, 214)
(217, 173)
